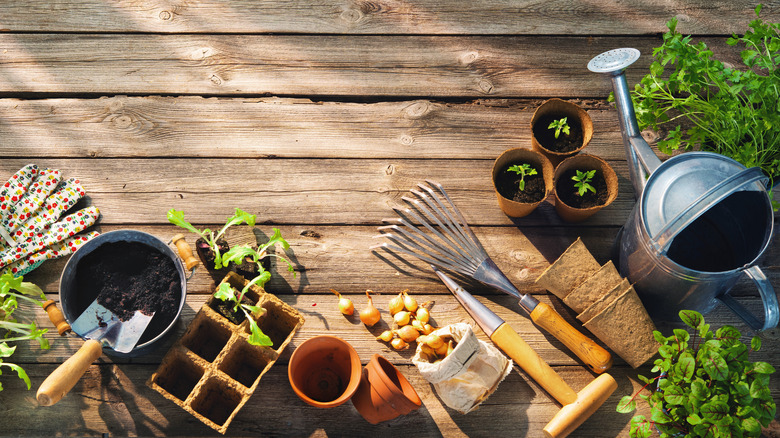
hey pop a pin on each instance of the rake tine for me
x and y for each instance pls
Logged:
(449, 262)
(417, 243)
(443, 214)
(444, 239)
(441, 190)
(422, 257)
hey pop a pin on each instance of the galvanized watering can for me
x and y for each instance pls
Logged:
(701, 220)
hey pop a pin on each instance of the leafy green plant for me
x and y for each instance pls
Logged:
(731, 111)
(582, 182)
(11, 291)
(177, 218)
(523, 170)
(226, 292)
(239, 254)
(707, 386)
(559, 126)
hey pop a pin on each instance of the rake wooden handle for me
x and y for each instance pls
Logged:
(185, 252)
(56, 317)
(593, 355)
(66, 375)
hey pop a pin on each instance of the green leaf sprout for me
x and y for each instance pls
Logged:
(582, 182)
(559, 126)
(523, 170)
(177, 218)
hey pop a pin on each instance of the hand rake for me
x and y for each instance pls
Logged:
(453, 246)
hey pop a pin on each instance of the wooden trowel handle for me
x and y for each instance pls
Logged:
(66, 375)
(56, 317)
(185, 252)
(597, 358)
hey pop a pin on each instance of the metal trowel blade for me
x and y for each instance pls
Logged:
(102, 325)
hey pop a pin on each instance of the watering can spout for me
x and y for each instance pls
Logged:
(642, 161)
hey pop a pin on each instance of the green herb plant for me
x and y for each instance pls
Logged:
(226, 292)
(559, 126)
(177, 218)
(706, 105)
(582, 182)
(11, 291)
(707, 386)
(523, 170)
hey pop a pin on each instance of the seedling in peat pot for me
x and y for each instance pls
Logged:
(582, 182)
(227, 293)
(239, 254)
(177, 218)
(559, 125)
(523, 170)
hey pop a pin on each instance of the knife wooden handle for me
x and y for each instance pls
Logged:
(185, 252)
(515, 347)
(56, 317)
(597, 358)
(66, 375)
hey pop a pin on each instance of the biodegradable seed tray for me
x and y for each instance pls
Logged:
(213, 370)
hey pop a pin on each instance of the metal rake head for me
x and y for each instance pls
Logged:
(433, 230)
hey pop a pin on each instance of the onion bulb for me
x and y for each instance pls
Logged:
(423, 314)
(441, 351)
(434, 341)
(386, 336)
(345, 304)
(369, 315)
(399, 344)
(409, 303)
(408, 333)
(402, 318)
(417, 325)
(428, 329)
(396, 304)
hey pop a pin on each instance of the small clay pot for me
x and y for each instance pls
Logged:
(539, 162)
(324, 371)
(584, 162)
(556, 109)
(384, 392)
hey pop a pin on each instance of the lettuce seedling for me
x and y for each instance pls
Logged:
(12, 330)
(227, 293)
(177, 218)
(239, 254)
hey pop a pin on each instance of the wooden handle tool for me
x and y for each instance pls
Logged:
(66, 375)
(56, 317)
(185, 252)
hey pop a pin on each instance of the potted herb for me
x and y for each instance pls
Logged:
(210, 246)
(700, 103)
(706, 386)
(251, 262)
(583, 185)
(560, 129)
(522, 179)
(11, 291)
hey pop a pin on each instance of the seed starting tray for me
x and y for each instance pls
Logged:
(213, 370)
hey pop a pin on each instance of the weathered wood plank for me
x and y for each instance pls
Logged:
(153, 126)
(380, 17)
(322, 65)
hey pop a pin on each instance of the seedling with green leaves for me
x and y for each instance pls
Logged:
(227, 293)
(239, 254)
(523, 170)
(177, 218)
(582, 182)
(707, 385)
(559, 126)
(11, 291)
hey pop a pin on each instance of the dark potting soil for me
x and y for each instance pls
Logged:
(225, 308)
(570, 196)
(507, 186)
(130, 276)
(564, 143)
(206, 254)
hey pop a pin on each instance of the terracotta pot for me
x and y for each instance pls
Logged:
(518, 156)
(384, 392)
(589, 162)
(560, 108)
(324, 371)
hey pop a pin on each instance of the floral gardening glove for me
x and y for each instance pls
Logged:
(31, 202)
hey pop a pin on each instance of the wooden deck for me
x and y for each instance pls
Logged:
(318, 116)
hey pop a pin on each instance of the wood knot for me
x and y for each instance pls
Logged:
(351, 16)
(166, 15)
(683, 18)
(390, 169)
(418, 109)
(468, 57)
(485, 86)
(311, 233)
(407, 140)
(216, 80)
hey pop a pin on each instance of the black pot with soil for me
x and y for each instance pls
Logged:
(513, 201)
(565, 145)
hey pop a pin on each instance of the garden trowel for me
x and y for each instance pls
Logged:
(98, 326)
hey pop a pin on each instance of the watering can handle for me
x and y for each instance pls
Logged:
(704, 202)
(768, 297)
